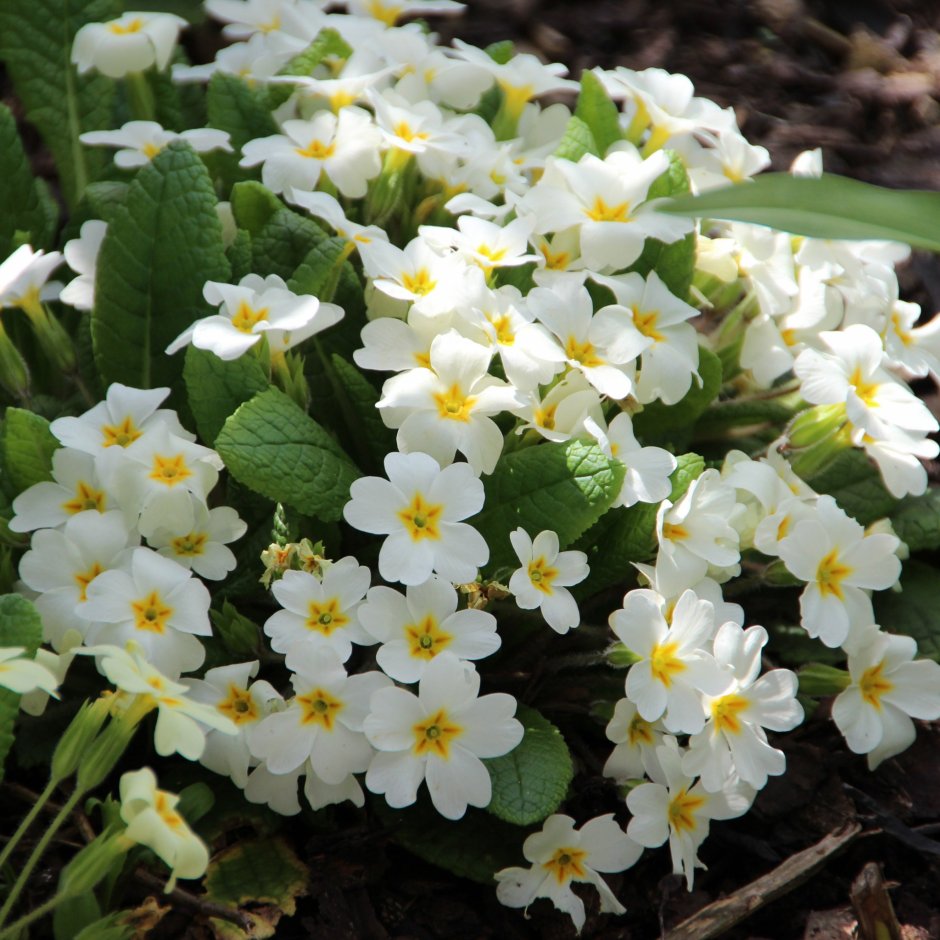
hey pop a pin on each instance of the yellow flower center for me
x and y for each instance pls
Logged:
(725, 711)
(830, 574)
(388, 13)
(419, 283)
(84, 578)
(545, 417)
(423, 359)
(125, 29)
(873, 685)
(555, 260)
(566, 864)
(151, 150)
(682, 808)
(316, 150)
(246, 317)
(405, 131)
(674, 532)
(86, 497)
(427, 639)
(151, 613)
(867, 391)
(421, 518)
(502, 324)
(601, 212)
(170, 470)
(645, 322)
(122, 434)
(454, 405)
(325, 617)
(664, 664)
(492, 255)
(516, 97)
(541, 574)
(238, 705)
(640, 731)
(435, 734)
(192, 544)
(318, 707)
(903, 335)
(583, 353)
(164, 808)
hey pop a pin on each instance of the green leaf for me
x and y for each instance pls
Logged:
(917, 521)
(855, 483)
(28, 446)
(657, 420)
(35, 43)
(253, 206)
(242, 111)
(263, 872)
(21, 205)
(563, 487)
(598, 112)
(20, 625)
(99, 201)
(576, 142)
(283, 243)
(328, 43)
(530, 782)
(239, 634)
(474, 847)
(319, 272)
(364, 419)
(215, 388)
(108, 928)
(501, 52)
(161, 247)
(913, 611)
(720, 416)
(239, 255)
(274, 448)
(829, 207)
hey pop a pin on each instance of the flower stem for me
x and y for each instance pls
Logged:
(17, 926)
(140, 94)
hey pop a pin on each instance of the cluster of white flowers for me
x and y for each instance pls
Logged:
(506, 318)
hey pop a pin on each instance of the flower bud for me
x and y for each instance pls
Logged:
(78, 737)
(93, 862)
(815, 425)
(620, 657)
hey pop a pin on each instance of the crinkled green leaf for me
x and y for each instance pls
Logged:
(319, 272)
(598, 112)
(829, 207)
(35, 43)
(360, 415)
(563, 487)
(215, 387)
(239, 255)
(916, 520)
(327, 44)
(99, 201)
(576, 142)
(22, 208)
(161, 247)
(673, 262)
(855, 483)
(474, 847)
(239, 109)
(283, 242)
(657, 420)
(253, 873)
(253, 206)
(276, 449)
(627, 535)
(530, 782)
(20, 625)
(915, 611)
(28, 446)
(720, 416)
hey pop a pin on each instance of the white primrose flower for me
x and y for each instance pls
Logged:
(246, 18)
(34, 702)
(157, 604)
(560, 855)
(448, 407)
(279, 791)
(733, 743)
(122, 418)
(75, 487)
(159, 479)
(635, 740)
(180, 720)
(567, 410)
(415, 628)
(675, 668)
(323, 721)
(840, 562)
(255, 60)
(21, 674)
(62, 564)
(326, 207)
(697, 533)
(419, 508)
(202, 547)
(131, 43)
(544, 577)
(24, 277)
(152, 820)
(484, 243)
(253, 308)
(914, 349)
(393, 345)
(674, 808)
(228, 690)
(345, 147)
(647, 468)
(81, 255)
(138, 142)
(439, 735)
(888, 688)
(597, 345)
(321, 611)
(898, 456)
(390, 11)
(667, 343)
(606, 199)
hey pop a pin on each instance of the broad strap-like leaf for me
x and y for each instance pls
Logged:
(601, 115)
(163, 243)
(28, 446)
(829, 207)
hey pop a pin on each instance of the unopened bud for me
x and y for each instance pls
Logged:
(93, 862)
(78, 737)
(620, 657)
